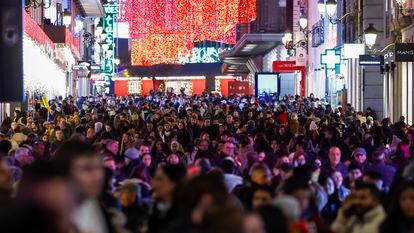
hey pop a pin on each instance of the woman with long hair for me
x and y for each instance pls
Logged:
(400, 217)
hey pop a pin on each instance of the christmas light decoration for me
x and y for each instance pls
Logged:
(50, 80)
(164, 31)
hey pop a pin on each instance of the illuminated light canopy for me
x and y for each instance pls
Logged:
(164, 31)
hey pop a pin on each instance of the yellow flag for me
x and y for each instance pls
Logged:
(45, 102)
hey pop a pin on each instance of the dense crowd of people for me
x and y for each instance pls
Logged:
(177, 163)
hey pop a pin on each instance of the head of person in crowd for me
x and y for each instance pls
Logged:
(300, 190)
(90, 134)
(39, 150)
(109, 162)
(166, 181)
(203, 145)
(128, 193)
(59, 135)
(226, 218)
(23, 156)
(145, 148)
(364, 197)
(262, 196)
(375, 178)
(229, 149)
(355, 172)
(173, 159)
(131, 154)
(360, 155)
(5, 147)
(44, 193)
(84, 166)
(334, 156)
(379, 155)
(328, 183)
(147, 160)
(401, 213)
(273, 219)
(112, 146)
(260, 174)
(253, 223)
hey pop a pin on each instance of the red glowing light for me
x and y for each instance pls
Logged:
(164, 31)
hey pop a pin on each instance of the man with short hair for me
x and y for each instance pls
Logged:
(144, 148)
(228, 150)
(334, 163)
(361, 212)
(84, 166)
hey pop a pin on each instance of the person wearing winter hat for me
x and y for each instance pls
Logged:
(132, 160)
(360, 157)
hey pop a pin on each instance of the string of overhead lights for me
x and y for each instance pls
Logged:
(164, 31)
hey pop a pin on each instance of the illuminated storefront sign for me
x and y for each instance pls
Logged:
(331, 59)
(111, 13)
(203, 55)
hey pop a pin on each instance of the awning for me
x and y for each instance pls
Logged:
(239, 60)
(166, 70)
(90, 8)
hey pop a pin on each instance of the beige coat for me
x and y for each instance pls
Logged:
(370, 224)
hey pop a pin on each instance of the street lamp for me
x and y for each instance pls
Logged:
(78, 24)
(103, 35)
(370, 35)
(288, 36)
(303, 21)
(321, 7)
(331, 7)
(401, 2)
(67, 18)
(99, 28)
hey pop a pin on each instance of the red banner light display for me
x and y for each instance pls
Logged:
(164, 31)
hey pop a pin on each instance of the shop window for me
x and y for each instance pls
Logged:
(134, 87)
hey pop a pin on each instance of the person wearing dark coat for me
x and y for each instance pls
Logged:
(387, 172)
(183, 136)
(165, 186)
(136, 214)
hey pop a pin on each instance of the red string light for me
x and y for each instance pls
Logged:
(164, 31)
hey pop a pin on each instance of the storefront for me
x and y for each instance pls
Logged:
(192, 85)
(44, 66)
(398, 79)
